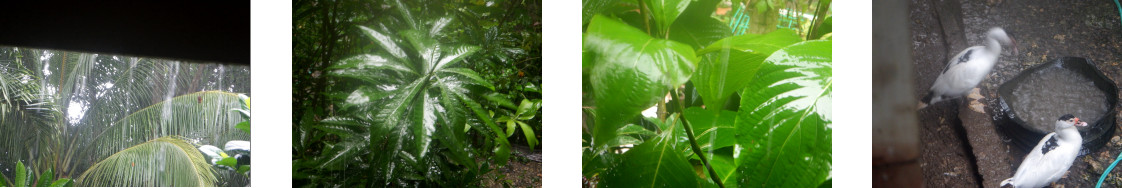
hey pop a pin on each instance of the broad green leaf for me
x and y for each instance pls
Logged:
(592, 7)
(388, 44)
(471, 75)
(712, 130)
(727, 65)
(681, 140)
(502, 151)
(625, 140)
(454, 55)
(664, 12)
(509, 127)
(23, 176)
(4, 180)
(528, 109)
(531, 138)
(700, 32)
(655, 163)
(725, 166)
(337, 155)
(244, 126)
(530, 87)
(450, 135)
(588, 59)
(242, 169)
(784, 124)
(228, 161)
(500, 99)
(45, 178)
(165, 161)
(62, 182)
(370, 62)
(342, 126)
(636, 131)
(632, 72)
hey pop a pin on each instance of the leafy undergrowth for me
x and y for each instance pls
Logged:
(747, 110)
(428, 93)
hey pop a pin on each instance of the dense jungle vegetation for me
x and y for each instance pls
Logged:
(414, 93)
(706, 93)
(85, 119)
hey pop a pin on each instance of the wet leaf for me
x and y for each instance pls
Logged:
(655, 163)
(631, 73)
(228, 161)
(725, 166)
(45, 178)
(244, 126)
(531, 138)
(62, 182)
(712, 130)
(165, 161)
(784, 119)
(699, 32)
(665, 12)
(23, 176)
(730, 64)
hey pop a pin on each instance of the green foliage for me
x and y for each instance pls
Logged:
(525, 111)
(632, 71)
(402, 105)
(784, 124)
(111, 103)
(749, 110)
(165, 161)
(24, 178)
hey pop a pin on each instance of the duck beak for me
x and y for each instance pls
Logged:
(1080, 123)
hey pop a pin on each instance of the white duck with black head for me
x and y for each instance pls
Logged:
(968, 68)
(1051, 157)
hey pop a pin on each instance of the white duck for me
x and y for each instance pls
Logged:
(968, 68)
(1051, 158)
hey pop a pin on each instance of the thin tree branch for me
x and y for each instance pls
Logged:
(693, 142)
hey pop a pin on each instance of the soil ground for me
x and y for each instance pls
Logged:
(522, 170)
(1044, 30)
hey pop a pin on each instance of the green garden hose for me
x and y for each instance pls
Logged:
(1116, 159)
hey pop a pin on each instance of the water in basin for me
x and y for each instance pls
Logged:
(1048, 94)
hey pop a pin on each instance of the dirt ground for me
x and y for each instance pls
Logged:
(1044, 30)
(522, 170)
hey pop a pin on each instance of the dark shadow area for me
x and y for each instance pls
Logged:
(190, 30)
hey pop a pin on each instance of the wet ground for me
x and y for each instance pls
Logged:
(964, 150)
(524, 169)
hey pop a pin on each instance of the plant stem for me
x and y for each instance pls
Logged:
(646, 17)
(693, 142)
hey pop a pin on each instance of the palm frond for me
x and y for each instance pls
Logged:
(165, 161)
(202, 115)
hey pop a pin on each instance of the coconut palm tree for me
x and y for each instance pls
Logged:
(81, 115)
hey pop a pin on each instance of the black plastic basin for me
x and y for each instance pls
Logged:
(1095, 134)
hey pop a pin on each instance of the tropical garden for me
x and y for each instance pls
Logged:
(401, 93)
(706, 93)
(85, 119)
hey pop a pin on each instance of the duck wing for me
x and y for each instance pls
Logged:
(1047, 162)
(959, 76)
